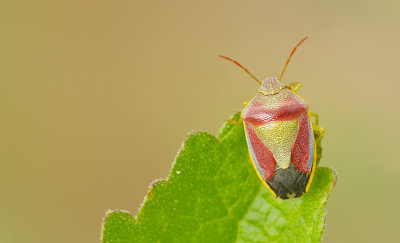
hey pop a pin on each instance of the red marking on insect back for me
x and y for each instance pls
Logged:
(300, 151)
(264, 157)
(260, 115)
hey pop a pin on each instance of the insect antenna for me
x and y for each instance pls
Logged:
(291, 54)
(240, 65)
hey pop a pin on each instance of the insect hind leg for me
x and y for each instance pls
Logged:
(319, 133)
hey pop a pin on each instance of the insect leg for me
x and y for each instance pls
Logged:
(245, 104)
(294, 86)
(319, 132)
(235, 122)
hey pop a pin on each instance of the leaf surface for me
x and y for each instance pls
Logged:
(214, 195)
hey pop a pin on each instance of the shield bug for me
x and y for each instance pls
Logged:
(280, 137)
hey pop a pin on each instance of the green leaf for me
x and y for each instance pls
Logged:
(118, 227)
(214, 195)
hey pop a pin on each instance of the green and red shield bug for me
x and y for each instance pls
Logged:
(280, 137)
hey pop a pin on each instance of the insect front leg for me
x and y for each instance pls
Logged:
(294, 86)
(245, 104)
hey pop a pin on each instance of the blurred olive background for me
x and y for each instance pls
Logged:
(97, 96)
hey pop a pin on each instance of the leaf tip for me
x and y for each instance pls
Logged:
(334, 174)
(117, 224)
(229, 124)
(152, 187)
